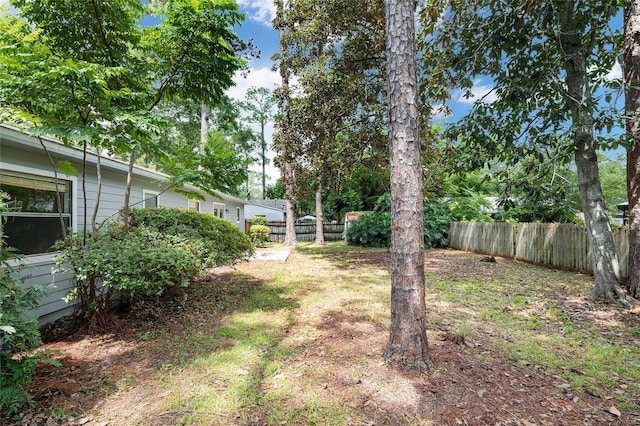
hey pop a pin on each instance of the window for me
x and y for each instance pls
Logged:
(237, 214)
(218, 210)
(194, 205)
(150, 199)
(36, 204)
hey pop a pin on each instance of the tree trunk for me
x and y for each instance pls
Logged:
(96, 208)
(263, 146)
(319, 217)
(290, 237)
(408, 334)
(606, 269)
(127, 191)
(632, 107)
(204, 128)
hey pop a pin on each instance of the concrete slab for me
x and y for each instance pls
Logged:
(272, 255)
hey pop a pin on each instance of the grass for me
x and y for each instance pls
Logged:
(529, 325)
(247, 369)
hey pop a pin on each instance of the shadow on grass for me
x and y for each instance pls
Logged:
(212, 315)
(347, 257)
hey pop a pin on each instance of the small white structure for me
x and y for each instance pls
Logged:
(273, 210)
(33, 224)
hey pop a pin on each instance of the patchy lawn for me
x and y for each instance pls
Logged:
(300, 343)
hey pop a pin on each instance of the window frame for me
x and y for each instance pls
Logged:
(149, 193)
(199, 205)
(238, 215)
(221, 208)
(36, 258)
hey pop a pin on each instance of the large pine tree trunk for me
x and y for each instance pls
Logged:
(319, 216)
(632, 107)
(606, 269)
(408, 336)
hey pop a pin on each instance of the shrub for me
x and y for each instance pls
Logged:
(139, 263)
(259, 220)
(259, 234)
(18, 330)
(437, 218)
(372, 229)
(224, 243)
(163, 248)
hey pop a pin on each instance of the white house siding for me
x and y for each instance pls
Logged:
(22, 153)
(271, 214)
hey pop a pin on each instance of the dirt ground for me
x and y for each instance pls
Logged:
(468, 383)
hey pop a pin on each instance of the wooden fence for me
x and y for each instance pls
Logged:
(304, 232)
(564, 246)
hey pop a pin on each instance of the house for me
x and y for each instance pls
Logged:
(33, 224)
(273, 210)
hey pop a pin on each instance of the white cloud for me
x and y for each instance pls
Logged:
(262, 11)
(615, 73)
(257, 77)
(481, 91)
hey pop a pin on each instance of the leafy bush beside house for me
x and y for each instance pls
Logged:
(224, 243)
(164, 248)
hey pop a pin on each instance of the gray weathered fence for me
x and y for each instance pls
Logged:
(563, 246)
(304, 232)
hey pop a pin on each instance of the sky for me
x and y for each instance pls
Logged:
(258, 27)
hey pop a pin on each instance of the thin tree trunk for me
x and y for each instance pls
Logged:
(263, 145)
(127, 192)
(408, 333)
(204, 128)
(319, 216)
(632, 107)
(94, 216)
(606, 269)
(63, 227)
(85, 215)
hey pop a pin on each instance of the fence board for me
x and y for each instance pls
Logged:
(563, 246)
(332, 232)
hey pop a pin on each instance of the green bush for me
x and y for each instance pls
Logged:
(163, 248)
(259, 220)
(373, 229)
(259, 234)
(141, 262)
(223, 242)
(18, 330)
(437, 218)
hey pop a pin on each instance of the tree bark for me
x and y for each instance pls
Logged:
(632, 109)
(204, 127)
(290, 238)
(606, 269)
(319, 216)
(408, 336)
(263, 146)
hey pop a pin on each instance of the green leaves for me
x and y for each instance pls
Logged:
(18, 328)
